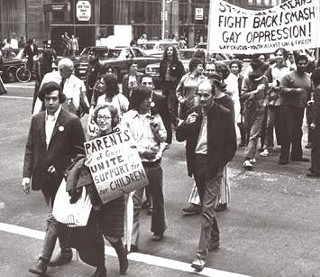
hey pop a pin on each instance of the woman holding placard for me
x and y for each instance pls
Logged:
(110, 215)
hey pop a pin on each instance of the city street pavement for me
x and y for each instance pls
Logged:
(271, 226)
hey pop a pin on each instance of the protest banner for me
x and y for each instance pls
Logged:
(115, 166)
(293, 25)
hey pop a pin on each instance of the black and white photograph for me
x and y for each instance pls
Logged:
(166, 138)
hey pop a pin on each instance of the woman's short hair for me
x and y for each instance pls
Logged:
(113, 111)
(139, 94)
(194, 63)
(50, 87)
(111, 82)
(237, 62)
(223, 69)
(283, 51)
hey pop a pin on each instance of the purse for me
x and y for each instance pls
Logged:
(75, 214)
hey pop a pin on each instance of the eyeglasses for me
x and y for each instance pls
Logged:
(53, 98)
(104, 117)
(210, 70)
(147, 83)
(202, 94)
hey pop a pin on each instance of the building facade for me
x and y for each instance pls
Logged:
(90, 20)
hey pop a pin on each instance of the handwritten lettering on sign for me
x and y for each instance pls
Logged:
(292, 25)
(115, 165)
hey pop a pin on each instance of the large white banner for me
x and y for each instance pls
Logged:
(115, 166)
(293, 25)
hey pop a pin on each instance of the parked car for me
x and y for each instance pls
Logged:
(118, 58)
(12, 60)
(185, 56)
(81, 62)
(201, 45)
(156, 47)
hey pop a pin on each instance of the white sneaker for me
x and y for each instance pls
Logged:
(247, 164)
(253, 161)
(265, 153)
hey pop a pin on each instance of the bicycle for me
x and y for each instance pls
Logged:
(23, 73)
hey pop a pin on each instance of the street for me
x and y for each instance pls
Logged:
(271, 226)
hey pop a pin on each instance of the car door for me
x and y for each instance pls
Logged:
(142, 59)
(138, 58)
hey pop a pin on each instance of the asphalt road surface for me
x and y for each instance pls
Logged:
(271, 226)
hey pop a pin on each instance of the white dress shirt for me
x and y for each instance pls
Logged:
(51, 121)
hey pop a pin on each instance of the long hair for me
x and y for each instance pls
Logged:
(175, 56)
(111, 82)
(139, 94)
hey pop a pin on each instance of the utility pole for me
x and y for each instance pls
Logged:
(163, 19)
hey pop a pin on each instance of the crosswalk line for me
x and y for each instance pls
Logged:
(137, 257)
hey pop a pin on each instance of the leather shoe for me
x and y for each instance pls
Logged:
(62, 258)
(312, 174)
(193, 209)
(283, 161)
(40, 268)
(157, 237)
(198, 264)
(220, 207)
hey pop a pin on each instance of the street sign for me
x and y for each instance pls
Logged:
(199, 14)
(83, 10)
(55, 7)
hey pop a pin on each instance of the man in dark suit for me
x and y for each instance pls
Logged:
(211, 143)
(29, 52)
(55, 137)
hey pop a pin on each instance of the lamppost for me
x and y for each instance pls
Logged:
(164, 17)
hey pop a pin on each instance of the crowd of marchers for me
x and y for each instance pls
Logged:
(202, 107)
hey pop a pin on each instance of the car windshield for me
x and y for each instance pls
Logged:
(90, 51)
(186, 55)
(147, 46)
(111, 54)
(10, 53)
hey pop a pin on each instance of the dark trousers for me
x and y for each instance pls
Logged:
(208, 188)
(169, 91)
(315, 151)
(54, 229)
(158, 220)
(291, 132)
